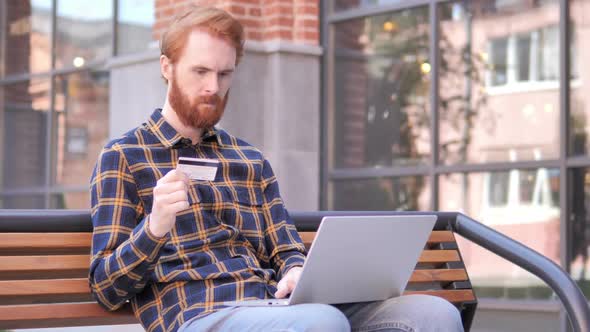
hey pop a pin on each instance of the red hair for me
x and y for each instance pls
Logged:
(213, 20)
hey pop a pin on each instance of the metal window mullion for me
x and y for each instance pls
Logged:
(3, 38)
(564, 91)
(68, 189)
(434, 100)
(325, 83)
(115, 27)
(496, 167)
(49, 166)
(363, 12)
(367, 173)
(563, 123)
(3, 46)
(425, 169)
(578, 162)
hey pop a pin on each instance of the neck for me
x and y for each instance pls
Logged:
(185, 131)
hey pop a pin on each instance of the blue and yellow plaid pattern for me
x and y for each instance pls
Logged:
(234, 242)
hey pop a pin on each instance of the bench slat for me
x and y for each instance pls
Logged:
(439, 256)
(62, 314)
(44, 287)
(43, 263)
(43, 267)
(451, 295)
(446, 275)
(73, 262)
(80, 285)
(71, 265)
(41, 241)
(441, 237)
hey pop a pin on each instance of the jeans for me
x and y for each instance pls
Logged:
(411, 313)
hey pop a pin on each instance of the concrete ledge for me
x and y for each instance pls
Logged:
(278, 46)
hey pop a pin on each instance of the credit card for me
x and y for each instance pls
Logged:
(198, 168)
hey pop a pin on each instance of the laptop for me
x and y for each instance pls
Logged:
(353, 259)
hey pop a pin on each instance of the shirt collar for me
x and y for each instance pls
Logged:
(169, 137)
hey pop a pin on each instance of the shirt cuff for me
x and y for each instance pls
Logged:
(296, 259)
(147, 244)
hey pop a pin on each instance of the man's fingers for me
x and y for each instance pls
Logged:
(170, 187)
(281, 293)
(174, 197)
(285, 287)
(174, 175)
(180, 206)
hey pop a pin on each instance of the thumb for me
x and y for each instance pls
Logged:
(282, 290)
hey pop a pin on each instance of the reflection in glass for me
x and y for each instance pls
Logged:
(70, 200)
(338, 5)
(27, 47)
(24, 109)
(522, 204)
(498, 65)
(499, 88)
(382, 194)
(381, 86)
(579, 228)
(84, 32)
(29, 201)
(579, 125)
(134, 26)
(81, 112)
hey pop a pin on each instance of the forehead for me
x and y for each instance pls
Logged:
(207, 50)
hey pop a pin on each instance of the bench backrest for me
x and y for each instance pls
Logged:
(43, 280)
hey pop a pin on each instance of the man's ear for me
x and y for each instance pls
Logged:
(166, 68)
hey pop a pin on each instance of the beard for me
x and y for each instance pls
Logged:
(202, 112)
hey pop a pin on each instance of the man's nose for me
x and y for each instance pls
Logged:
(212, 83)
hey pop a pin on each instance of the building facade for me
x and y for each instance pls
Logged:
(474, 106)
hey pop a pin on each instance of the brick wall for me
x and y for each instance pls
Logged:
(295, 21)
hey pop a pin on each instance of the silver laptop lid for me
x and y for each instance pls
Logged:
(362, 258)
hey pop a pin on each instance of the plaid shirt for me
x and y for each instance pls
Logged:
(233, 243)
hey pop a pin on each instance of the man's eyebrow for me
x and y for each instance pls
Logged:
(227, 70)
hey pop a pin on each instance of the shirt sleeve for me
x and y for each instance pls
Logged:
(123, 249)
(285, 247)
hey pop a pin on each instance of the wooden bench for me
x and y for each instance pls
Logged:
(44, 261)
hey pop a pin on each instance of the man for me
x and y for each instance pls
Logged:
(178, 248)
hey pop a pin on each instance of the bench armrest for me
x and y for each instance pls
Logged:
(562, 284)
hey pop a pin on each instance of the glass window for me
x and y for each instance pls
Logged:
(579, 228)
(530, 214)
(381, 194)
(81, 112)
(70, 200)
(381, 88)
(548, 53)
(579, 122)
(84, 32)
(499, 61)
(27, 201)
(523, 48)
(24, 115)
(499, 94)
(134, 26)
(27, 26)
(498, 187)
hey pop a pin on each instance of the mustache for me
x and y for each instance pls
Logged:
(213, 99)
